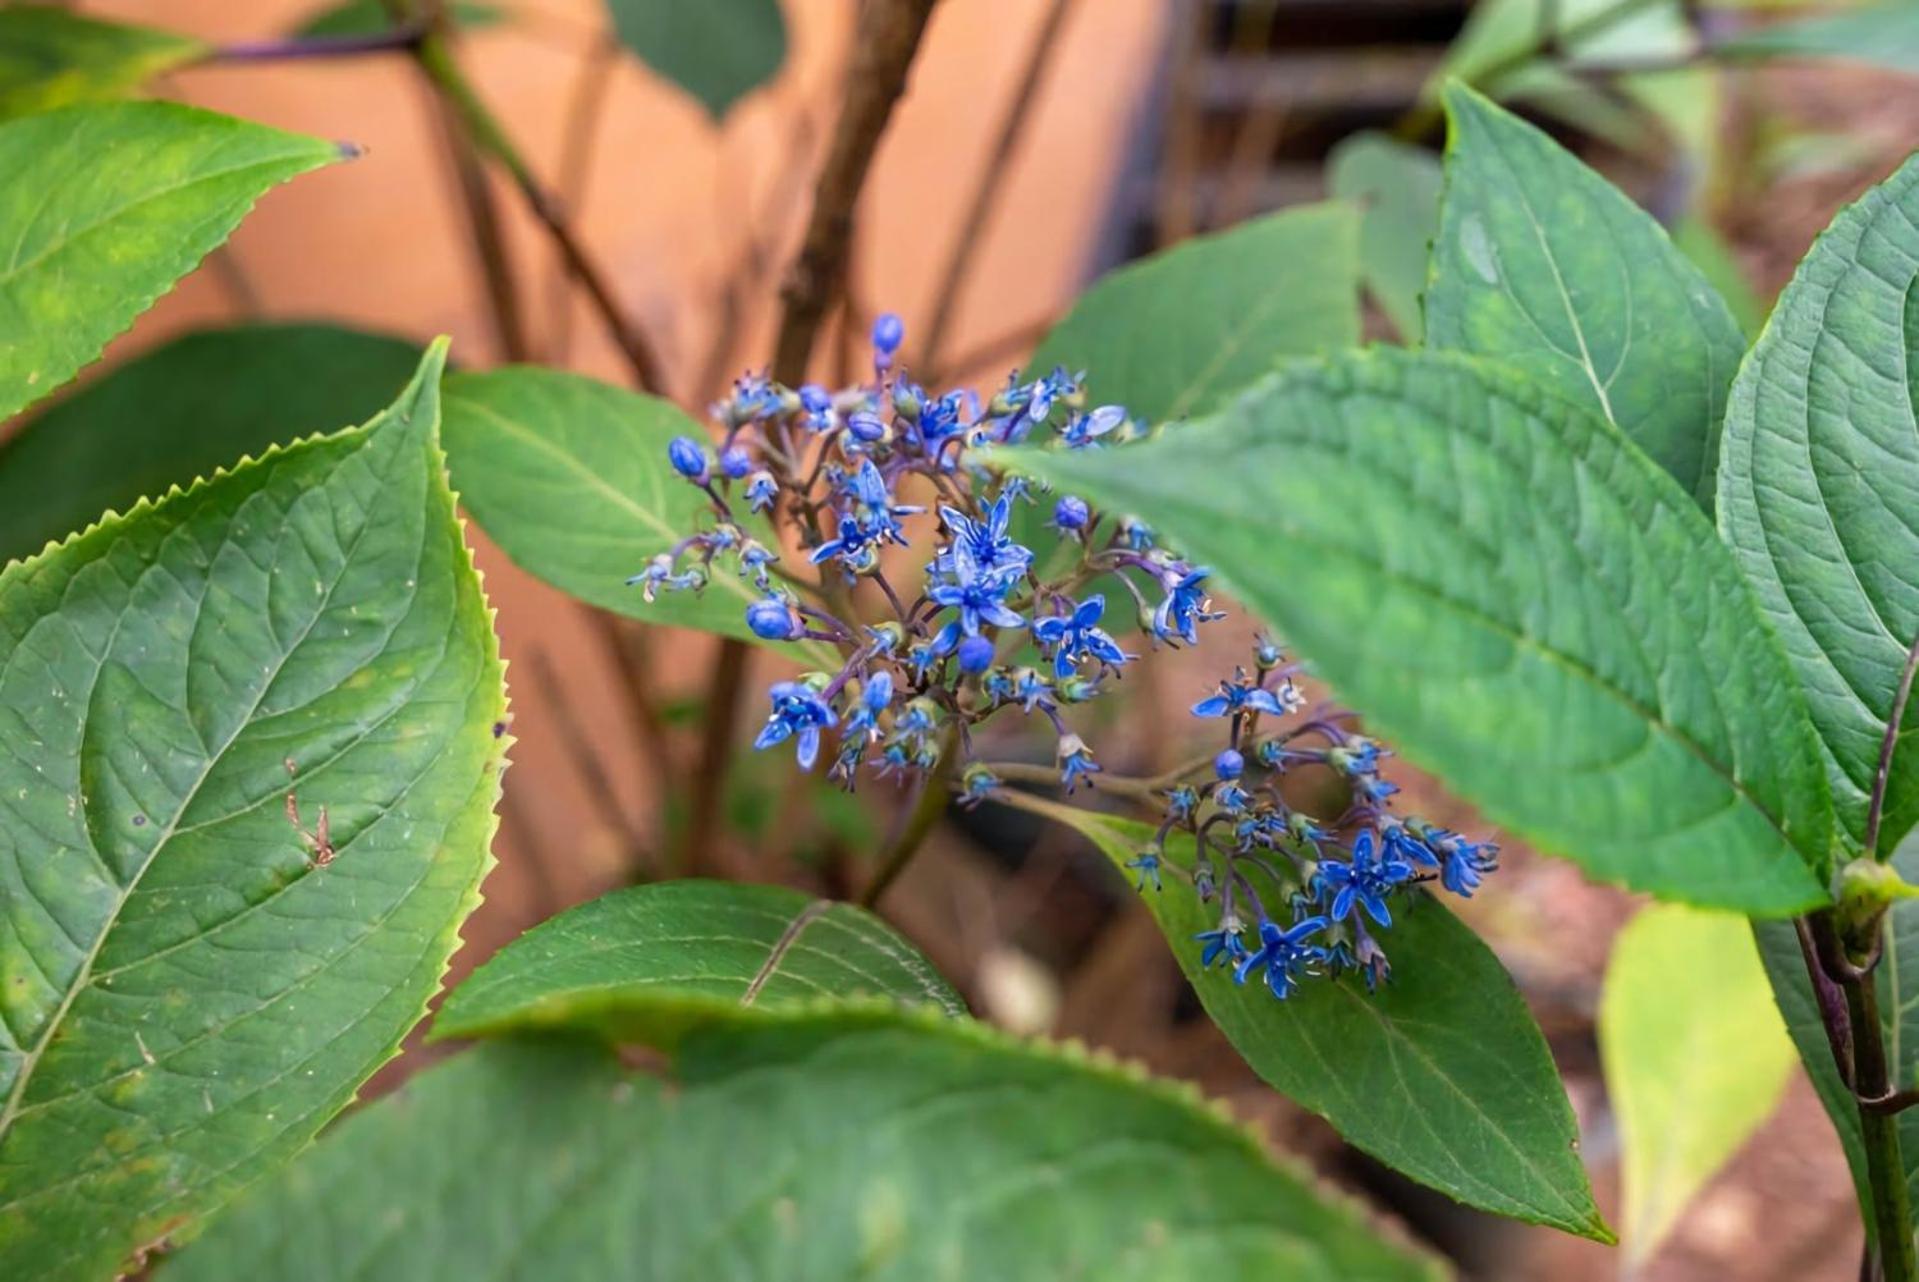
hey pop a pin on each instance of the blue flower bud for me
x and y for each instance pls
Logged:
(975, 655)
(815, 399)
(688, 457)
(879, 691)
(1071, 513)
(774, 620)
(888, 332)
(866, 427)
(1229, 765)
(735, 462)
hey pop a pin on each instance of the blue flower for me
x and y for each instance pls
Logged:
(975, 655)
(1085, 429)
(1071, 514)
(980, 600)
(1235, 697)
(818, 405)
(866, 427)
(1365, 881)
(1466, 863)
(1229, 765)
(863, 721)
(1184, 607)
(1077, 637)
(1225, 942)
(869, 489)
(659, 574)
(1180, 803)
(797, 710)
(854, 544)
(735, 462)
(773, 619)
(981, 547)
(1283, 955)
(889, 331)
(688, 457)
(761, 491)
(1146, 864)
(1075, 761)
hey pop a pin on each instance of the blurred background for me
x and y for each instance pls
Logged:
(1040, 143)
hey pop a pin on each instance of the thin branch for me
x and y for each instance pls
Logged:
(1875, 809)
(987, 184)
(929, 803)
(725, 684)
(402, 38)
(580, 751)
(583, 112)
(489, 239)
(888, 36)
(436, 61)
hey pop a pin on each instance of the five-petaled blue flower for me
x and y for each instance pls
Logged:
(1365, 880)
(1088, 428)
(1184, 608)
(797, 710)
(1243, 696)
(1078, 636)
(1146, 864)
(1283, 954)
(982, 546)
(1227, 942)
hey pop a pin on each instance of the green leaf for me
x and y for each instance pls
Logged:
(1897, 976)
(1885, 34)
(1695, 1058)
(569, 476)
(189, 987)
(105, 207)
(1174, 335)
(717, 50)
(1396, 186)
(50, 58)
(371, 18)
(1441, 1074)
(1819, 487)
(180, 411)
(1544, 265)
(648, 964)
(1515, 597)
(859, 1144)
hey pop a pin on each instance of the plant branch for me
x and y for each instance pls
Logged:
(1875, 809)
(436, 61)
(888, 36)
(1885, 1167)
(489, 242)
(987, 185)
(929, 803)
(583, 111)
(404, 37)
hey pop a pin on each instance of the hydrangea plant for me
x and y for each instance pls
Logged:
(1639, 589)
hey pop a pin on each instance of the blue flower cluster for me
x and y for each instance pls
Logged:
(992, 625)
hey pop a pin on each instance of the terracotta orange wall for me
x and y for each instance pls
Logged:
(671, 202)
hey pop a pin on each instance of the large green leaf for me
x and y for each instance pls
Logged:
(1171, 337)
(1516, 597)
(50, 57)
(182, 410)
(717, 50)
(650, 963)
(570, 476)
(855, 1144)
(104, 206)
(190, 987)
(1819, 487)
(1695, 1057)
(1543, 264)
(1396, 186)
(1441, 1074)
(1886, 34)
